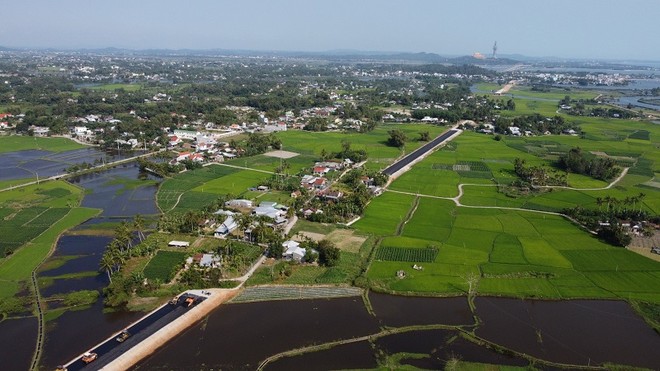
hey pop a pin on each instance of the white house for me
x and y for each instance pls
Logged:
(186, 134)
(293, 251)
(239, 203)
(226, 227)
(209, 260)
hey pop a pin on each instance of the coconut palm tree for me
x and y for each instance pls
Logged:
(107, 264)
(138, 225)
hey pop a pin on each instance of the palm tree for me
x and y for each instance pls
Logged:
(608, 200)
(123, 236)
(106, 264)
(640, 197)
(138, 225)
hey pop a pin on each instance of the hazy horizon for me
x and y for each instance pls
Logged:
(588, 29)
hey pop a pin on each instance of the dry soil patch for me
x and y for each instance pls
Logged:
(281, 154)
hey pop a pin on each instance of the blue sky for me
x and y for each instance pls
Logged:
(623, 29)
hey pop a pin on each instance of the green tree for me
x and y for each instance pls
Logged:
(424, 136)
(138, 225)
(329, 254)
(397, 138)
(107, 264)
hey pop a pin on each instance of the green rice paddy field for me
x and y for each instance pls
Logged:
(20, 143)
(195, 189)
(32, 218)
(514, 252)
(490, 162)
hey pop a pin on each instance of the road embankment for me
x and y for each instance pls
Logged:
(167, 333)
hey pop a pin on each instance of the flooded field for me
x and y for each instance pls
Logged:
(239, 336)
(442, 346)
(580, 332)
(30, 163)
(409, 310)
(109, 192)
(17, 342)
(349, 356)
(571, 331)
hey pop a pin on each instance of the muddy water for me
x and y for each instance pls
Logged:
(17, 342)
(114, 198)
(408, 310)
(442, 346)
(575, 331)
(76, 331)
(239, 336)
(348, 356)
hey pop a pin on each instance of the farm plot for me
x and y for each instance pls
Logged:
(467, 169)
(432, 220)
(236, 183)
(195, 189)
(164, 265)
(20, 226)
(404, 254)
(384, 214)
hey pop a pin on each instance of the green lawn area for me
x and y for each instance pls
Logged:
(8, 183)
(384, 214)
(19, 143)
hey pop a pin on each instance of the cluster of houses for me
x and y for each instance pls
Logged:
(274, 212)
(317, 183)
(200, 146)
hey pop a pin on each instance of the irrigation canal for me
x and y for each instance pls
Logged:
(421, 151)
(110, 348)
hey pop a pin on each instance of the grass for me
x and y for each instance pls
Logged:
(20, 143)
(163, 265)
(9, 183)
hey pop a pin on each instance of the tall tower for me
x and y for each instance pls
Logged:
(495, 50)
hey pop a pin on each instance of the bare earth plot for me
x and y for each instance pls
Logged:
(344, 239)
(281, 154)
(643, 245)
